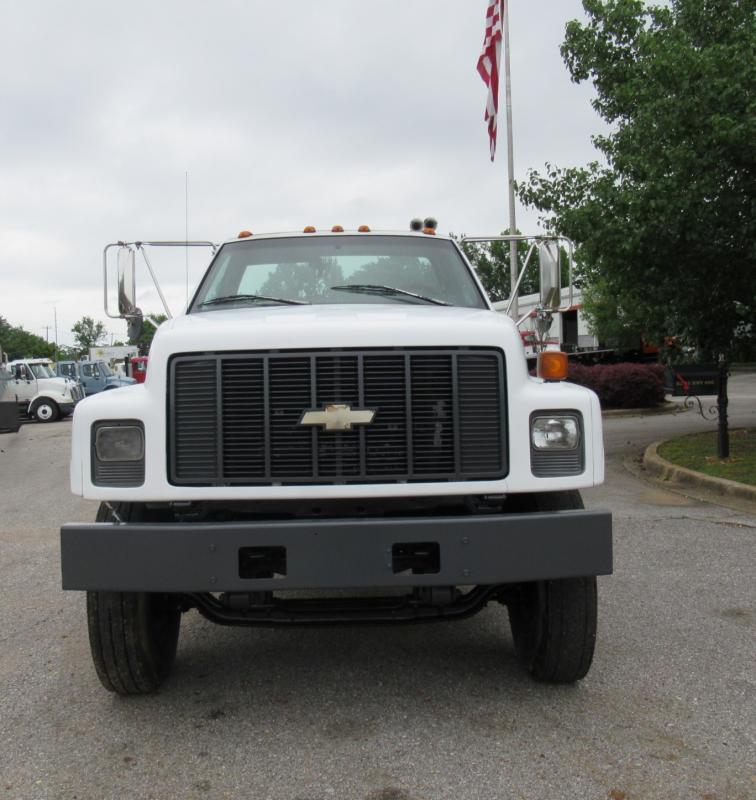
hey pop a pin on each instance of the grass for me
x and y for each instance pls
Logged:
(699, 452)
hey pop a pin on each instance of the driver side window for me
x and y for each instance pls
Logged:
(89, 370)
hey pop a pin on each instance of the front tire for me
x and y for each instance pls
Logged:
(133, 636)
(554, 622)
(46, 411)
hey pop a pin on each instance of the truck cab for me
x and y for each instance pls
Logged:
(9, 418)
(39, 392)
(138, 368)
(95, 376)
(344, 414)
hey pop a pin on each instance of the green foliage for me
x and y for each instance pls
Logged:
(148, 331)
(665, 226)
(16, 342)
(87, 333)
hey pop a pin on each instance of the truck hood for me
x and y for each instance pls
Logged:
(56, 385)
(332, 326)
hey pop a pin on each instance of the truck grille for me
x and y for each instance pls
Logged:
(234, 418)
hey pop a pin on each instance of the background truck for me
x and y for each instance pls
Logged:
(137, 368)
(343, 414)
(39, 392)
(94, 376)
(9, 419)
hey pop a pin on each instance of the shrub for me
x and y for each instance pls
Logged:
(621, 385)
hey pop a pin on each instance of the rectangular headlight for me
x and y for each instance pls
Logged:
(119, 443)
(555, 432)
(556, 444)
(118, 453)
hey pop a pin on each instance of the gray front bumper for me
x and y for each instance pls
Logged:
(340, 553)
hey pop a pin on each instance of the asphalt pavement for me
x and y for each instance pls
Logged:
(430, 712)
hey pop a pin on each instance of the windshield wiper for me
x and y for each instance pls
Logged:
(374, 288)
(231, 298)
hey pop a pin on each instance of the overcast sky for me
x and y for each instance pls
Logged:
(282, 114)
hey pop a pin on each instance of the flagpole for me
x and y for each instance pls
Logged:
(513, 270)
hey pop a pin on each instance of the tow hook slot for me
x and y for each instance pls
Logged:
(262, 562)
(416, 558)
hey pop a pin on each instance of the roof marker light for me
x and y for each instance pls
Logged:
(429, 231)
(363, 229)
(244, 234)
(337, 229)
(309, 229)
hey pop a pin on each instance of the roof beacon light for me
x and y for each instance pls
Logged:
(337, 229)
(416, 224)
(363, 229)
(552, 365)
(429, 226)
(244, 234)
(309, 229)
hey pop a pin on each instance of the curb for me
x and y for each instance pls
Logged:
(666, 471)
(667, 408)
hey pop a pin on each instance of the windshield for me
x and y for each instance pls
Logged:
(105, 368)
(338, 269)
(41, 371)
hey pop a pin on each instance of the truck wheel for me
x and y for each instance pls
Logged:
(132, 635)
(554, 622)
(46, 410)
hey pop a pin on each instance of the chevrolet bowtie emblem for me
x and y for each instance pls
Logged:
(338, 417)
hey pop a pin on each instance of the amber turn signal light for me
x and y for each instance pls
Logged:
(337, 229)
(363, 229)
(244, 234)
(309, 229)
(552, 365)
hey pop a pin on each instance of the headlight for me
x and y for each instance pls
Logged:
(556, 444)
(118, 452)
(555, 433)
(119, 443)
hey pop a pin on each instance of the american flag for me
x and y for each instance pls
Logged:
(488, 66)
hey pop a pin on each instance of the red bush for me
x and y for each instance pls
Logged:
(621, 385)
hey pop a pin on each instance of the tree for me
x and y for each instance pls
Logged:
(148, 331)
(16, 342)
(665, 224)
(88, 333)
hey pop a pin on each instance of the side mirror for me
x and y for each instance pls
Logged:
(126, 281)
(550, 275)
(134, 325)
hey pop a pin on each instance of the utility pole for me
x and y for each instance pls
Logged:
(47, 333)
(55, 314)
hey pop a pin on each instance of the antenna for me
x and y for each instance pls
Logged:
(186, 231)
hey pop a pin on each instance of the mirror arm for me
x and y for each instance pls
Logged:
(519, 278)
(154, 279)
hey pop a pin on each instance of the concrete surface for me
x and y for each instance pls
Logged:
(430, 712)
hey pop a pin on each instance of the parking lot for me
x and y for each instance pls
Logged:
(407, 713)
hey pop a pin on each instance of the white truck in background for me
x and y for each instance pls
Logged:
(39, 393)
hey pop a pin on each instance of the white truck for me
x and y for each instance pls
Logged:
(336, 412)
(39, 392)
(9, 419)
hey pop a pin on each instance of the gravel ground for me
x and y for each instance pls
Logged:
(413, 713)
